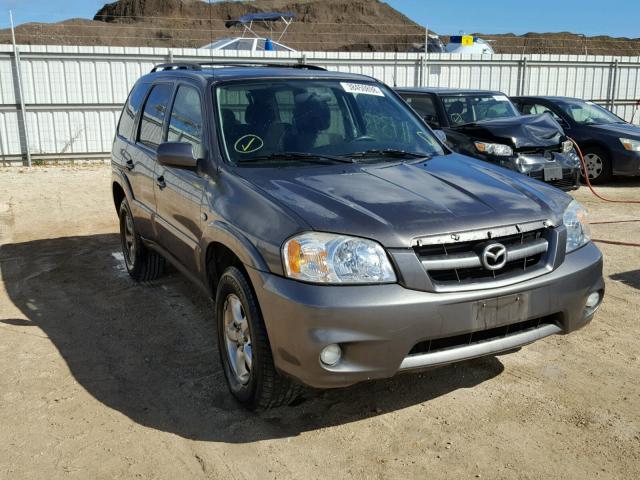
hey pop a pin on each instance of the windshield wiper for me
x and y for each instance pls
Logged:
(307, 157)
(388, 153)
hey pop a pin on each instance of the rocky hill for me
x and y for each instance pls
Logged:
(325, 25)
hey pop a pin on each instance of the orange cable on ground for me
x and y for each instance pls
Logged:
(586, 177)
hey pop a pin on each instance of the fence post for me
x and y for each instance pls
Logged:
(23, 110)
(522, 81)
(613, 86)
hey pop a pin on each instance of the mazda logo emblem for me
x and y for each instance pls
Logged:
(494, 256)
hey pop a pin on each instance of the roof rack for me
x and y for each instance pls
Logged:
(198, 66)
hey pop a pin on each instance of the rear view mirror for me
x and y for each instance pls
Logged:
(177, 154)
(441, 135)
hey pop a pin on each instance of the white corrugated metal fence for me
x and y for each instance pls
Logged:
(73, 95)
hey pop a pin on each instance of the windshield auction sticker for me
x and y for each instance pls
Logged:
(248, 144)
(500, 98)
(362, 88)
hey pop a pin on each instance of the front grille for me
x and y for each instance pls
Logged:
(439, 344)
(459, 263)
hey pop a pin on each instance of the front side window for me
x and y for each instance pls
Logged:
(588, 113)
(153, 114)
(185, 122)
(316, 117)
(463, 109)
(134, 102)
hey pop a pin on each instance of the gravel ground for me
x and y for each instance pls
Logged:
(103, 378)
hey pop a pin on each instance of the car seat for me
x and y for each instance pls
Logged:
(310, 117)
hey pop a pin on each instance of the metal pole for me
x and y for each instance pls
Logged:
(614, 81)
(523, 90)
(23, 110)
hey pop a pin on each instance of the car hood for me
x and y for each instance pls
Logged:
(518, 132)
(396, 203)
(625, 130)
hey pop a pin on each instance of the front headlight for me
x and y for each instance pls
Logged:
(567, 146)
(575, 221)
(631, 145)
(494, 149)
(329, 258)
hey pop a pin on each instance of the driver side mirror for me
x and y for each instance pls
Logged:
(177, 154)
(441, 135)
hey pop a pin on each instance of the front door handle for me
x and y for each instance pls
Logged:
(129, 164)
(160, 182)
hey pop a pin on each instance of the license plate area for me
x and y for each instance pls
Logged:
(496, 312)
(552, 173)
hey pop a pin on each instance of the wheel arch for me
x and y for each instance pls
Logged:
(226, 247)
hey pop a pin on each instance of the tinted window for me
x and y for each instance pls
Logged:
(155, 109)
(537, 109)
(471, 108)
(127, 119)
(588, 113)
(425, 107)
(185, 123)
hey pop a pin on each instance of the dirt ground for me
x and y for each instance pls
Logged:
(103, 378)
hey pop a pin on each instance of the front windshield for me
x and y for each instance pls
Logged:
(263, 121)
(588, 113)
(471, 108)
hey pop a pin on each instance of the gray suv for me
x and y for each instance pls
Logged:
(340, 240)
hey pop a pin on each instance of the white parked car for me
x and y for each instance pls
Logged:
(248, 44)
(469, 44)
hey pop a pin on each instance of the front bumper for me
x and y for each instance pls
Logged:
(536, 164)
(378, 325)
(626, 163)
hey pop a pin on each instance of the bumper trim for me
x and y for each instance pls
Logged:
(478, 349)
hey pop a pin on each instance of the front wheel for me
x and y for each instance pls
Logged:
(598, 165)
(244, 347)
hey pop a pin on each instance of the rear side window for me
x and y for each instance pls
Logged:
(134, 102)
(153, 114)
(425, 107)
(185, 123)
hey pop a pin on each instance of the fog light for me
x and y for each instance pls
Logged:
(593, 300)
(331, 354)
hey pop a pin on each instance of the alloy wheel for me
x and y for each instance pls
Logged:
(594, 164)
(238, 339)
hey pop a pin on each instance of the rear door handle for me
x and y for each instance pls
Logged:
(160, 182)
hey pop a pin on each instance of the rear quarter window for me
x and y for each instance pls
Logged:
(130, 110)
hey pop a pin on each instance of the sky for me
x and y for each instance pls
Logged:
(618, 18)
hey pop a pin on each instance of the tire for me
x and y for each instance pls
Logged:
(142, 264)
(250, 373)
(598, 165)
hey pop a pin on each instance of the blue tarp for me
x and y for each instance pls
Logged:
(260, 17)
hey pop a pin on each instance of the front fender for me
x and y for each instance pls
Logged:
(229, 236)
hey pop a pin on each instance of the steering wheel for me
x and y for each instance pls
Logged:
(364, 138)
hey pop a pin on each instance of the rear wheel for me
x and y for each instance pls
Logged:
(598, 165)
(244, 347)
(142, 264)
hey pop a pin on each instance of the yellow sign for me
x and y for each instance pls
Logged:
(467, 40)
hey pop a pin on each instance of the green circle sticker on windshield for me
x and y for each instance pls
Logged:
(248, 144)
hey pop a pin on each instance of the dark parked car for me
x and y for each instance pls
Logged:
(610, 145)
(340, 240)
(486, 125)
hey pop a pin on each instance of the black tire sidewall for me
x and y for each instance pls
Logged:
(135, 261)
(234, 282)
